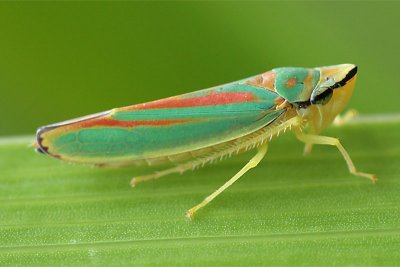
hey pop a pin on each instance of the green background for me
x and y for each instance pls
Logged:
(63, 60)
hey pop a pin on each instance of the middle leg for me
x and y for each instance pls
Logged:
(262, 150)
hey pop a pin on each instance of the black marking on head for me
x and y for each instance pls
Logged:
(347, 78)
(322, 98)
(303, 104)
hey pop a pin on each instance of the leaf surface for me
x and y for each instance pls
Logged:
(290, 210)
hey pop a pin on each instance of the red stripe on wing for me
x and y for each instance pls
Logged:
(206, 100)
(109, 122)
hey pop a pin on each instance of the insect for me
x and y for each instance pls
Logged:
(201, 127)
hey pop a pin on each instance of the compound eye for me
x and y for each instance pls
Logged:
(321, 98)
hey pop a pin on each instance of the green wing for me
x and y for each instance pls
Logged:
(161, 128)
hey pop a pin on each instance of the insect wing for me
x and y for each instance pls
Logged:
(163, 127)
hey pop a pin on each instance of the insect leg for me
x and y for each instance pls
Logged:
(325, 140)
(262, 150)
(307, 149)
(340, 120)
(343, 120)
(190, 165)
(177, 169)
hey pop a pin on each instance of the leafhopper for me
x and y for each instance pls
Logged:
(198, 128)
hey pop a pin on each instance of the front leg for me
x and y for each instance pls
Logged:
(325, 140)
(340, 120)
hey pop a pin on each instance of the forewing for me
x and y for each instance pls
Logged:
(163, 127)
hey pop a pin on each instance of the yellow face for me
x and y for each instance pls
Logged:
(330, 96)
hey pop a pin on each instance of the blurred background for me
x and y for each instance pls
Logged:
(63, 60)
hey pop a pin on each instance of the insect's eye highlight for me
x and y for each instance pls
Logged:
(322, 98)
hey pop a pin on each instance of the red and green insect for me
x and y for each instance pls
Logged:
(198, 128)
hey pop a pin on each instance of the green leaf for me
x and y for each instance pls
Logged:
(290, 210)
